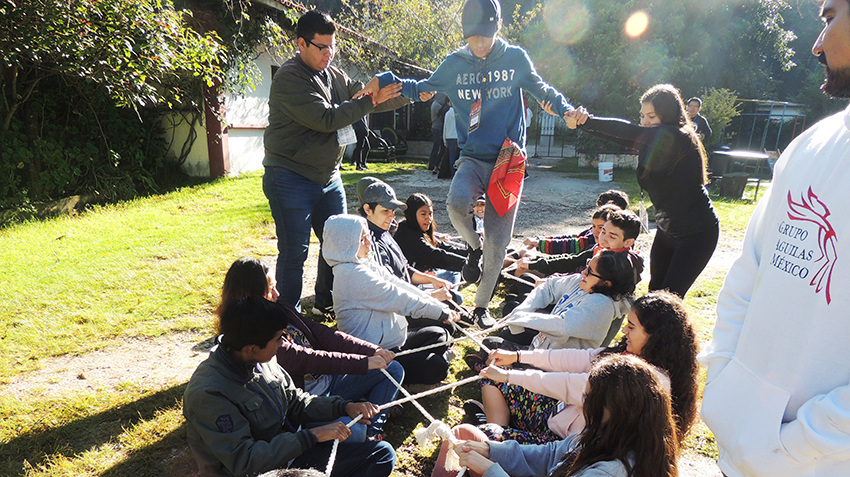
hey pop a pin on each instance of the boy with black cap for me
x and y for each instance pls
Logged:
(485, 81)
(377, 205)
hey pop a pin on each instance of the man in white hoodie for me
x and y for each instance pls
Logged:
(777, 394)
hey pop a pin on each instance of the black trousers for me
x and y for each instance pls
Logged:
(675, 264)
(428, 366)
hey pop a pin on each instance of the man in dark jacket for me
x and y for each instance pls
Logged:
(311, 112)
(701, 126)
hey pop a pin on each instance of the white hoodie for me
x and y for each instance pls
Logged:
(370, 302)
(778, 385)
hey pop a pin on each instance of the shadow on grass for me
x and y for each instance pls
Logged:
(38, 448)
(167, 457)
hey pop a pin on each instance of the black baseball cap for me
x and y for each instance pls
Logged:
(481, 18)
(381, 193)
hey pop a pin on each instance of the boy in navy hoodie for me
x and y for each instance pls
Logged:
(485, 80)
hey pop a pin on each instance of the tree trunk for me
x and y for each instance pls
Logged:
(9, 91)
(34, 167)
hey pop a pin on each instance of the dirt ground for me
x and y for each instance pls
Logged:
(552, 204)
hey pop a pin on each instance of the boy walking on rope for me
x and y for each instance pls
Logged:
(485, 81)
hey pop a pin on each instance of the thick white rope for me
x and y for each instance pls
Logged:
(430, 392)
(332, 457)
(435, 429)
(451, 341)
(445, 433)
(518, 279)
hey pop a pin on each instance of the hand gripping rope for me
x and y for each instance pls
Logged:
(420, 434)
(436, 428)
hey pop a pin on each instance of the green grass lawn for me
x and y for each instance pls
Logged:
(154, 266)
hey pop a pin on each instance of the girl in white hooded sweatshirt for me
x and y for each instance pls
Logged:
(371, 303)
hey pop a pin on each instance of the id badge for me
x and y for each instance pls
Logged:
(475, 116)
(346, 136)
(538, 340)
(644, 218)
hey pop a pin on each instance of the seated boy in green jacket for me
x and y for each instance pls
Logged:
(244, 414)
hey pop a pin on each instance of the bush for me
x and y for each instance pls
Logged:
(78, 142)
(718, 107)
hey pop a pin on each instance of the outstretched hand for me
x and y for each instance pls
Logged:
(426, 96)
(576, 117)
(547, 106)
(371, 87)
(388, 92)
(379, 95)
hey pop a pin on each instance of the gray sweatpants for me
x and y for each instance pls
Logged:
(470, 182)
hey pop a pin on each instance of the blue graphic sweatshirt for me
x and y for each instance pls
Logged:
(499, 81)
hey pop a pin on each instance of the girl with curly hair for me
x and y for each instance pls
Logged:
(580, 310)
(545, 404)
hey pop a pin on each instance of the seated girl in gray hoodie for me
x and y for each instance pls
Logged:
(587, 308)
(371, 303)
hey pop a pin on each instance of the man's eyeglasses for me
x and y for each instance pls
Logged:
(331, 48)
(591, 272)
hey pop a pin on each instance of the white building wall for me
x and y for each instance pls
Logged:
(177, 131)
(247, 116)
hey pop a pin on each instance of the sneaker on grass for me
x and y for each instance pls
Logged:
(483, 318)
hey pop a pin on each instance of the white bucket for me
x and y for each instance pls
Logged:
(606, 171)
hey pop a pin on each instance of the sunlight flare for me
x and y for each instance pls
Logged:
(636, 24)
(567, 21)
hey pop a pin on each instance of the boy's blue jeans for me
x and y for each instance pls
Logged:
(297, 204)
(373, 386)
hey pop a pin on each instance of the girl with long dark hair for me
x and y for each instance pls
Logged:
(425, 249)
(672, 170)
(658, 330)
(630, 432)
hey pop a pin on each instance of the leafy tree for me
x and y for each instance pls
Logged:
(139, 54)
(719, 107)
(85, 84)
(424, 32)
(583, 50)
(802, 83)
(138, 51)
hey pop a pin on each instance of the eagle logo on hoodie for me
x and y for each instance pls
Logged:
(811, 209)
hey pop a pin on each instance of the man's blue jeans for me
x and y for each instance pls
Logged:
(364, 459)
(297, 204)
(375, 388)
